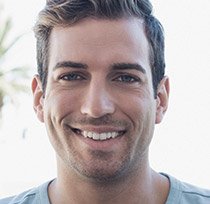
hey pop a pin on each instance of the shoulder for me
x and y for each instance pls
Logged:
(32, 196)
(23, 198)
(181, 192)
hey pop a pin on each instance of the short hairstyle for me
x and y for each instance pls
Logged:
(68, 12)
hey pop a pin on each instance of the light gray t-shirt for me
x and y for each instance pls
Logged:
(179, 193)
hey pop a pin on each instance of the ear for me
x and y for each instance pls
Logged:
(162, 99)
(38, 99)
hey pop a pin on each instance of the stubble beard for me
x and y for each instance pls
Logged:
(103, 168)
(103, 172)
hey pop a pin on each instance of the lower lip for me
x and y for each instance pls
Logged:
(103, 145)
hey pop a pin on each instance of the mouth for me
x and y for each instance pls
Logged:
(102, 136)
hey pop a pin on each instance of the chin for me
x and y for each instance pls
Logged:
(103, 172)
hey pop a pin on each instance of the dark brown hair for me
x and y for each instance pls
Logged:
(68, 12)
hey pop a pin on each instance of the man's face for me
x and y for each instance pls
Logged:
(99, 108)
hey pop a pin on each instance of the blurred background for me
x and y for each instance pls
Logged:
(181, 144)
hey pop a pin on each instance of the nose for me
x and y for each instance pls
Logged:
(97, 101)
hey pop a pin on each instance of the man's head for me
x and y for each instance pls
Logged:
(68, 12)
(98, 106)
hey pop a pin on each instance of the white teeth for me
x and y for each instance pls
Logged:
(103, 136)
(96, 136)
(85, 134)
(114, 134)
(90, 134)
(109, 135)
(100, 136)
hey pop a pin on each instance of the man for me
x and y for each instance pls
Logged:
(100, 90)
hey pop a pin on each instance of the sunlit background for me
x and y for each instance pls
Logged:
(181, 144)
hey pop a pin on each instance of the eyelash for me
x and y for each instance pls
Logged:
(74, 77)
(122, 78)
(127, 79)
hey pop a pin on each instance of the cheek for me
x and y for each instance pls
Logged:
(56, 107)
(141, 112)
(137, 108)
(60, 104)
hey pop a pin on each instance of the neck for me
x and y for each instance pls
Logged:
(143, 186)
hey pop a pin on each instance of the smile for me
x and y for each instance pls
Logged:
(98, 136)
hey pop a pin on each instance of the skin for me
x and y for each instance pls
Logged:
(99, 80)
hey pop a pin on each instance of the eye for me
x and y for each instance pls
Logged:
(71, 77)
(127, 79)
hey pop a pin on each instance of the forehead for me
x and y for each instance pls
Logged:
(107, 40)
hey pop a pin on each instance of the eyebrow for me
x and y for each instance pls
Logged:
(70, 64)
(115, 66)
(122, 66)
